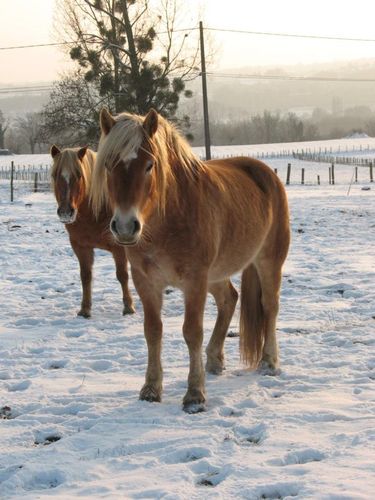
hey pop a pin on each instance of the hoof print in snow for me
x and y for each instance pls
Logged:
(282, 490)
(57, 365)
(205, 482)
(251, 436)
(303, 457)
(48, 440)
(19, 386)
(6, 413)
(168, 291)
(232, 334)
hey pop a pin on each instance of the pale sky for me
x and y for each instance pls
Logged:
(25, 22)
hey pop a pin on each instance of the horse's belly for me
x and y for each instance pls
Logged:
(233, 258)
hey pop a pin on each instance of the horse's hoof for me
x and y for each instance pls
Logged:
(128, 310)
(268, 366)
(214, 367)
(149, 393)
(192, 408)
(84, 314)
(194, 401)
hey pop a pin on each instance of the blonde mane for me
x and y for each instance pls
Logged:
(68, 160)
(169, 149)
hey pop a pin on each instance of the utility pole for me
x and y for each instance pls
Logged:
(207, 140)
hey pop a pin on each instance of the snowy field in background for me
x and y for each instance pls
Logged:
(363, 146)
(75, 427)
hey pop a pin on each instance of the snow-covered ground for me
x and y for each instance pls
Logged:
(74, 426)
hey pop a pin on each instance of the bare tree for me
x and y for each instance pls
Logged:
(29, 128)
(3, 128)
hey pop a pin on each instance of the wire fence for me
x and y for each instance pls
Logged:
(37, 178)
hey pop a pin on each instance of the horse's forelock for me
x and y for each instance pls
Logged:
(68, 162)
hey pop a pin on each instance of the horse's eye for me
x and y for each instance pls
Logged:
(149, 167)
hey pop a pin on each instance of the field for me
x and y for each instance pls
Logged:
(73, 425)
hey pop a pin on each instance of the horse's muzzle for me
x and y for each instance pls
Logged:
(126, 232)
(67, 216)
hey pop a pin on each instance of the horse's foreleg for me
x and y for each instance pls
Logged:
(225, 296)
(195, 298)
(122, 275)
(152, 299)
(86, 260)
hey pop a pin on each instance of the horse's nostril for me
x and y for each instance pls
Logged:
(113, 226)
(136, 226)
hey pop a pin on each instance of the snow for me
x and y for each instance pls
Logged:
(73, 425)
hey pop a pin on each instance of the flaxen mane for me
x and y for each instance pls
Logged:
(167, 147)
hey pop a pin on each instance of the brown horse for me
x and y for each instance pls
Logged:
(193, 224)
(71, 177)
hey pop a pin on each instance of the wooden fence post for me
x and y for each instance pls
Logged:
(275, 170)
(356, 174)
(11, 182)
(318, 180)
(288, 174)
(330, 175)
(35, 182)
(333, 173)
(303, 176)
(371, 173)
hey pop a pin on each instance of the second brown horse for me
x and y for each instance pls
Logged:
(71, 178)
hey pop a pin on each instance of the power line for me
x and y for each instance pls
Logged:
(34, 46)
(24, 90)
(290, 77)
(15, 47)
(224, 30)
(293, 35)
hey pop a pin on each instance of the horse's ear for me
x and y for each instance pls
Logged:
(106, 121)
(81, 152)
(54, 151)
(151, 122)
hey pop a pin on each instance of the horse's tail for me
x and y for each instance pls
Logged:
(252, 318)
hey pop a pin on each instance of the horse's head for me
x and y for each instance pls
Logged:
(126, 157)
(68, 181)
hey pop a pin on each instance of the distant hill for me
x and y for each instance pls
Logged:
(233, 98)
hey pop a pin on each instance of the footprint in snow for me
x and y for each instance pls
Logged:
(210, 475)
(6, 413)
(254, 435)
(46, 438)
(299, 457)
(186, 455)
(19, 386)
(276, 491)
(57, 364)
(101, 365)
(74, 334)
(228, 411)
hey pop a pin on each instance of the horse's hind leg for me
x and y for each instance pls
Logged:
(225, 296)
(86, 260)
(270, 279)
(122, 275)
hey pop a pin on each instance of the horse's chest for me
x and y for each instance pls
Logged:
(156, 266)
